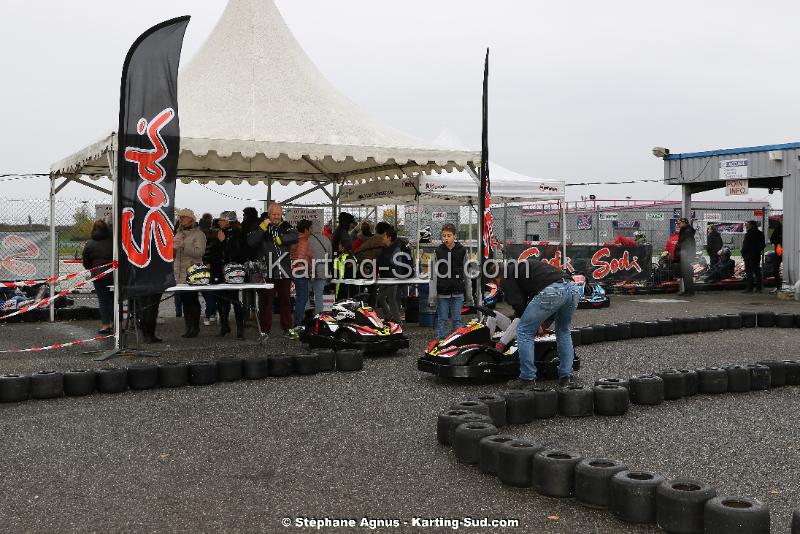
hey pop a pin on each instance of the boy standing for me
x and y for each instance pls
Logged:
(450, 287)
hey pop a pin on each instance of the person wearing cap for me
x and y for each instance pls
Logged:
(685, 251)
(225, 246)
(189, 245)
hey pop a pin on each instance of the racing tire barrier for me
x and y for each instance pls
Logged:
(496, 405)
(777, 371)
(471, 405)
(14, 387)
(469, 417)
(202, 373)
(112, 380)
(142, 376)
(792, 372)
(515, 463)
(713, 380)
(445, 425)
(173, 374)
(229, 369)
(554, 472)
(255, 368)
(760, 377)
(646, 389)
(633, 496)
(577, 339)
(610, 400)
(691, 325)
(715, 323)
(545, 403)
(796, 522)
(575, 401)
(738, 379)
(692, 382)
(490, 450)
(680, 505)
(678, 325)
(674, 384)
(349, 360)
(593, 481)
(327, 360)
(624, 331)
(612, 381)
(703, 324)
(733, 321)
(79, 382)
(666, 327)
(785, 320)
(653, 328)
(612, 332)
(47, 385)
(748, 319)
(735, 515)
(587, 335)
(280, 365)
(638, 329)
(467, 441)
(520, 407)
(306, 364)
(765, 319)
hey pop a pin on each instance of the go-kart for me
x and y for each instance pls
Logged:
(471, 350)
(353, 325)
(594, 296)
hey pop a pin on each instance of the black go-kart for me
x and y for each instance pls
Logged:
(353, 325)
(471, 352)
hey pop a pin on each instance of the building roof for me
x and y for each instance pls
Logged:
(730, 151)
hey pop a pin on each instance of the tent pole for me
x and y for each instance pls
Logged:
(53, 246)
(563, 233)
(419, 238)
(269, 194)
(334, 203)
(112, 165)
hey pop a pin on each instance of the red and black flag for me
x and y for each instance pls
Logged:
(147, 161)
(488, 242)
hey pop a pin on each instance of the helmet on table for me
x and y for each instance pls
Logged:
(198, 275)
(234, 273)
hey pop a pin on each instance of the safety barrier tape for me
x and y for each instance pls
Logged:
(60, 345)
(28, 283)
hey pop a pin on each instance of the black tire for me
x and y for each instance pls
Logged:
(748, 319)
(593, 481)
(444, 425)
(575, 401)
(703, 324)
(490, 450)
(760, 377)
(467, 441)
(738, 378)
(680, 504)
(229, 369)
(678, 325)
(327, 360)
(47, 385)
(471, 405)
(692, 382)
(255, 368)
(713, 380)
(576, 337)
(638, 329)
(633, 496)
(792, 372)
(587, 335)
(515, 463)
(280, 365)
(666, 326)
(470, 417)
(598, 333)
(79, 382)
(765, 319)
(202, 373)
(306, 364)
(610, 400)
(112, 379)
(612, 332)
(349, 360)
(733, 321)
(612, 381)
(624, 330)
(735, 515)
(784, 320)
(496, 405)
(520, 407)
(652, 328)
(548, 369)
(691, 325)
(674, 384)
(554, 472)
(142, 376)
(714, 323)
(777, 370)
(173, 374)
(545, 403)
(796, 522)
(646, 389)
(15, 387)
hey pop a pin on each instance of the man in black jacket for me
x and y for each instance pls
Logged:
(713, 244)
(686, 250)
(752, 248)
(536, 290)
(226, 246)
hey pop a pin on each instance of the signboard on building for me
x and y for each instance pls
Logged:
(733, 169)
(609, 264)
(439, 216)
(104, 212)
(295, 215)
(609, 216)
(655, 216)
(584, 221)
(553, 225)
(736, 187)
(712, 217)
(626, 224)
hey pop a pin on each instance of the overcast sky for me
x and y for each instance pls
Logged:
(579, 90)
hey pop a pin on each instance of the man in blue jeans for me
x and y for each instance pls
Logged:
(536, 290)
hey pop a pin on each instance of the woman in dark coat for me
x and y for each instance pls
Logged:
(99, 250)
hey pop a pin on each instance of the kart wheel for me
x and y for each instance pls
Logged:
(545, 403)
(229, 369)
(612, 381)
(598, 333)
(733, 321)
(638, 329)
(14, 388)
(674, 383)
(624, 330)
(349, 360)
(652, 328)
(202, 373)
(327, 359)
(692, 382)
(306, 364)
(691, 325)
(444, 425)
(490, 450)
(612, 332)
(554, 472)
(610, 400)
(587, 335)
(735, 515)
(714, 323)
(633, 496)
(646, 389)
(483, 359)
(283, 365)
(467, 441)
(713, 380)
(748, 319)
(575, 401)
(142, 376)
(666, 327)
(792, 372)
(520, 407)
(47, 385)
(112, 379)
(515, 463)
(593, 481)
(784, 320)
(459, 420)
(576, 337)
(496, 405)
(79, 382)
(738, 378)
(173, 374)
(255, 368)
(777, 370)
(678, 325)
(765, 319)
(471, 405)
(680, 504)
(760, 377)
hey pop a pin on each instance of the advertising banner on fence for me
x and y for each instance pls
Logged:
(584, 221)
(598, 263)
(24, 255)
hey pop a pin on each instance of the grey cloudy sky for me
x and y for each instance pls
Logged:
(579, 89)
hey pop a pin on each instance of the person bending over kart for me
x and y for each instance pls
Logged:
(537, 290)
(722, 269)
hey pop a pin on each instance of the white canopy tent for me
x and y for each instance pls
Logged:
(254, 108)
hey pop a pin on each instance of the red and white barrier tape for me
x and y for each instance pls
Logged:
(59, 345)
(28, 283)
(44, 302)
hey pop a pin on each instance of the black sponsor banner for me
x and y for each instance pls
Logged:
(599, 263)
(147, 162)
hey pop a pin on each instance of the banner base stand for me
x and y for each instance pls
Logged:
(125, 352)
